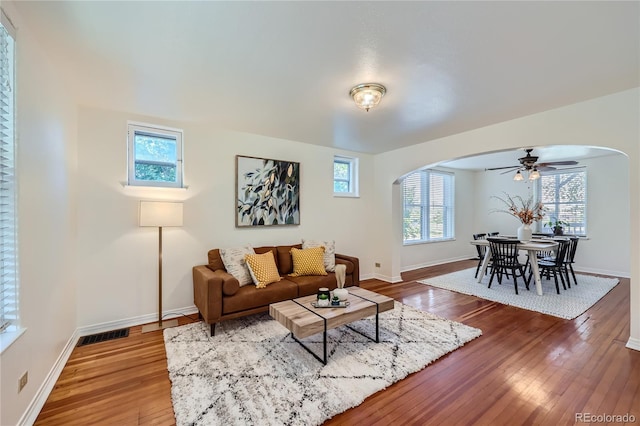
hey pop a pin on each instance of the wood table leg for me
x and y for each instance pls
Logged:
(485, 264)
(533, 261)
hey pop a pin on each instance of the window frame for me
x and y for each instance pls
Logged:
(158, 131)
(10, 284)
(352, 181)
(538, 192)
(425, 206)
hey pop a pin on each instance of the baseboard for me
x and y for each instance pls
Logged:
(38, 401)
(31, 414)
(139, 320)
(437, 262)
(388, 279)
(633, 344)
(620, 274)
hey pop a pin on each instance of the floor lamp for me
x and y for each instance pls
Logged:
(159, 214)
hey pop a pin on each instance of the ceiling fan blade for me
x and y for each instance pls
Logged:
(502, 168)
(511, 169)
(545, 168)
(559, 163)
(562, 169)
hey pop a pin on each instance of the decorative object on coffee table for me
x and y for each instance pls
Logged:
(267, 192)
(341, 292)
(323, 300)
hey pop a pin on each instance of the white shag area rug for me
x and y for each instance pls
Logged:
(569, 304)
(253, 373)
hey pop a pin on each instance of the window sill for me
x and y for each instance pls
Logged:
(345, 195)
(415, 243)
(154, 191)
(8, 337)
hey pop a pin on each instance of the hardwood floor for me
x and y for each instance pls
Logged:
(526, 368)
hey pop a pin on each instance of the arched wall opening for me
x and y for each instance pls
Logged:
(604, 251)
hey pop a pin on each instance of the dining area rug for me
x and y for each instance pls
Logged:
(569, 304)
(252, 372)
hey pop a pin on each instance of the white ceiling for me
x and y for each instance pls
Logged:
(284, 69)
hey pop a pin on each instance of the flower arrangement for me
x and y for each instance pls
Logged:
(527, 211)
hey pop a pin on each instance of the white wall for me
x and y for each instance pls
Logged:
(610, 121)
(46, 163)
(117, 260)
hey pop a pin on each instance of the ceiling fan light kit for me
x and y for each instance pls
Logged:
(367, 95)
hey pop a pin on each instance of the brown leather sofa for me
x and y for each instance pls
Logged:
(218, 295)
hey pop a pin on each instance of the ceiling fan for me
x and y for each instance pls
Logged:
(529, 164)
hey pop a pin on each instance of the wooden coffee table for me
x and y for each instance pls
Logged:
(303, 320)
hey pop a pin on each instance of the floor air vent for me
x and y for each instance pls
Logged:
(103, 337)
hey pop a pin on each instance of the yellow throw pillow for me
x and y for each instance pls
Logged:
(263, 269)
(308, 261)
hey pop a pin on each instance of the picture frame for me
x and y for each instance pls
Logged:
(267, 192)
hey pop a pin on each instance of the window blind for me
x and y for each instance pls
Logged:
(428, 206)
(8, 255)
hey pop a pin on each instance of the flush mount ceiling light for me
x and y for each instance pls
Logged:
(367, 95)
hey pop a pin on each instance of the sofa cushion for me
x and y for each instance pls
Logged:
(309, 284)
(263, 269)
(215, 261)
(329, 252)
(284, 260)
(308, 261)
(249, 297)
(234, 263)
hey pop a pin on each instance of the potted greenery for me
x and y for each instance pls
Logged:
(556, 225)
(323, 300)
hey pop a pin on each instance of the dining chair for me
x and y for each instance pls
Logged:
(569, 259)
(555, 265)
(481, 251)
(504, 254)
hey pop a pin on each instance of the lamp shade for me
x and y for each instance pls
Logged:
(160, 213)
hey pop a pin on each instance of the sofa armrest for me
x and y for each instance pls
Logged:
(208, 289)
(343, 258)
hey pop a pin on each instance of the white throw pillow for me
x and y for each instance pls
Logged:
(234, 263)
(329, 252)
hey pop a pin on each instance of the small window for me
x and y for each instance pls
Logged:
(428, 207)
(345, 176)
(155, 156)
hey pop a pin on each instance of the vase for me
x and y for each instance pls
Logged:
(342, 293)
(525, 232)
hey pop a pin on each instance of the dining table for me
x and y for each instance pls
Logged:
(532, 247)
